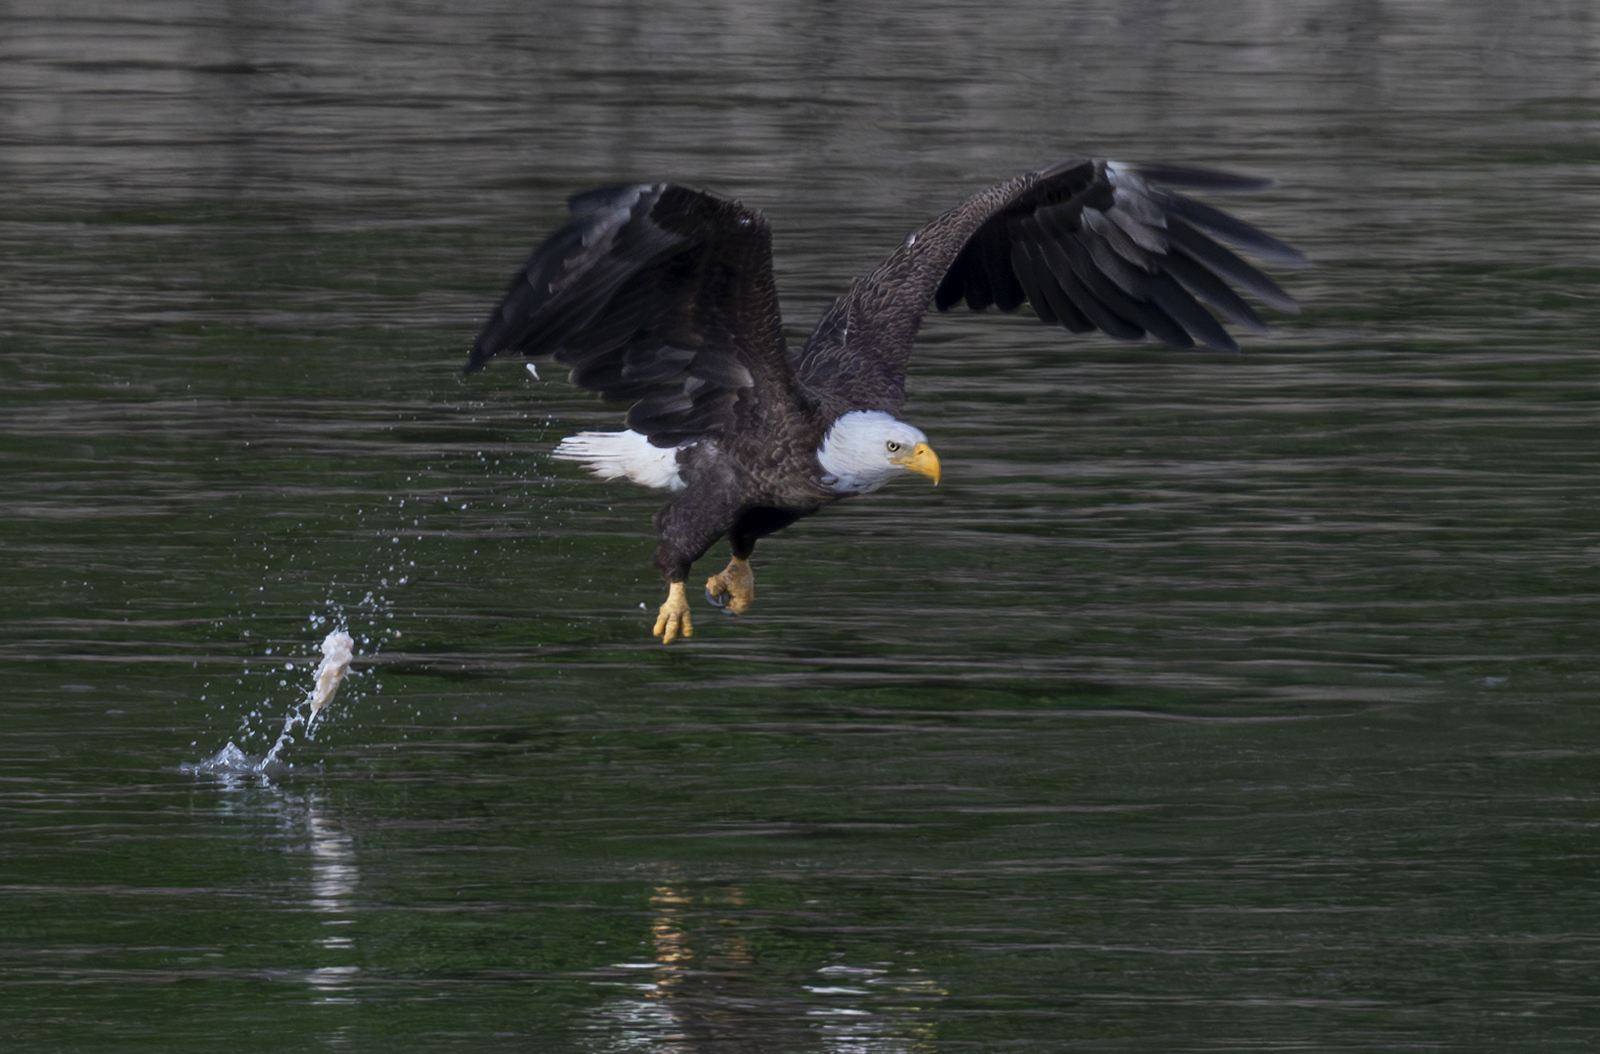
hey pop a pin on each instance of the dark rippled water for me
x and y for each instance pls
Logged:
(1213, 703)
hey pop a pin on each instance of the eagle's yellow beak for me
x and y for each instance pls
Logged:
(921, 459)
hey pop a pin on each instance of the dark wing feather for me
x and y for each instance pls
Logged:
(1089, 244)
(659, 296)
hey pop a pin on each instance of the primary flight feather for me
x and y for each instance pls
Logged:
(662, 297)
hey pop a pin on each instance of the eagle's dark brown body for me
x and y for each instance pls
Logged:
(662, 297)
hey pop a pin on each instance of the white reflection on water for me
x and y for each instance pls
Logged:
(704, 988)
(306, 823)
(334, 878)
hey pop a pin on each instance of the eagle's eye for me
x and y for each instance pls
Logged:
(894, 448)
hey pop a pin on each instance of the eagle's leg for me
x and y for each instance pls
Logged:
(673, 621)
(691, 523)
(734, 588)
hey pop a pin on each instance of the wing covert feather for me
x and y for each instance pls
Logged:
(659, 296)
(1089, 244)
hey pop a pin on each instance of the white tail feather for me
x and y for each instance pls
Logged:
(615, 455)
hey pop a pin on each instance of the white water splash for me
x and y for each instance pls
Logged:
(338, 649)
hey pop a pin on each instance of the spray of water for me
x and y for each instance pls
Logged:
(338, 649)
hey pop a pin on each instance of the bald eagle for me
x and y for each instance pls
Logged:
(662, 297)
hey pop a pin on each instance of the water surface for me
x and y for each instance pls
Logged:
(1212, 703)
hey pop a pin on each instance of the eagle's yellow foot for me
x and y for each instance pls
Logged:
(673, 621)
(734, 588)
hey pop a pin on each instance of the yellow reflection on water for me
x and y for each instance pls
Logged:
(707, 984)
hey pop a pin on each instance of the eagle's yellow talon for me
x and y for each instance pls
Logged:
(737, 583)
(673, 621)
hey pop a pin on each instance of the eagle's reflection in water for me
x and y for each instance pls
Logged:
(705, 989)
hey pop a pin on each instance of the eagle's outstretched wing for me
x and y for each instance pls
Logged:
(659, 296)
(1090, 244)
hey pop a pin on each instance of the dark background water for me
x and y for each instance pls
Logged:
(1212, 703)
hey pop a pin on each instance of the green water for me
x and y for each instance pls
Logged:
(1211, 703)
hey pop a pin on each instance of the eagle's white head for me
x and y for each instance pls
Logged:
(867, 448)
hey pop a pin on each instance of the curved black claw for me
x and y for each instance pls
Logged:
(716, 600)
